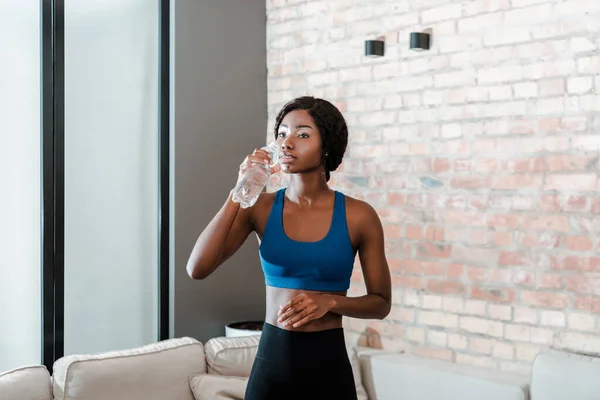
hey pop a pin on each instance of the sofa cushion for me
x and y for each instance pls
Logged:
(234, 356)
(558, 375)
(231, 356)
(405, 377)
(155, 372)
(218, 387)
(26, 383)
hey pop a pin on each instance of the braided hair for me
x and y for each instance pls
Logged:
(331, 124)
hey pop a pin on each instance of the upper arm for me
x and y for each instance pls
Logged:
(371, 252)
(245, 223)
(241, 228)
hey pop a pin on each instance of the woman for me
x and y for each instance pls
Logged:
(310, 235)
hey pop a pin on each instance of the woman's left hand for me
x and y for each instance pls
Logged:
(304, 308)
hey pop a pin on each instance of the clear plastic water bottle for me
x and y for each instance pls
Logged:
(251, 184)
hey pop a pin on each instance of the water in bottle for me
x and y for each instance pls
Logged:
(254, 180)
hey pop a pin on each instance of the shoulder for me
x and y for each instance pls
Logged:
(261, 209)
(360, 213)
(266, 199)
(363, 222)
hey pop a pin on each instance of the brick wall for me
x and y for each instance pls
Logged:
(481, 157)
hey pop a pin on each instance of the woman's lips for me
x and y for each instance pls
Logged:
(286, 158)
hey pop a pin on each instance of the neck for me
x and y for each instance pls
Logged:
(305, 188)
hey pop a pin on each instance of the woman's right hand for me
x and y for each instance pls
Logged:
(259, 156)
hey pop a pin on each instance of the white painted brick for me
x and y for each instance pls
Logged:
(356, 104)
(457, 341)
(451, 131)
(437, 338)
(526, 89)
(480, 345)
(504, 109)
(415, 334)
(475, 307)
(411, 99)
(431, 302)
(377, 118)
(500, 312)
(500, 92)
(529, 15)
(520, 333)
(503, 350)
(399, 21)
(431, 97)
(504, 36)
(355, 13)
(454, 79)
(441, 13)
(500, 74)
(581, 322)
(391, 8)
(541, 335)
(453, 304)
(386, 70)
(552, 318)
(581, 45)
(477, 94)
(580, 84)
(482, 326)
(588, 65)
(313, 7)
(483, 7)
(525, 3)
(437, 319)
(358, 74)
(480, 22)
(578, 342)
(412, 299)
(452, 44)
(576, 7)
(547, 106)
(460, 60)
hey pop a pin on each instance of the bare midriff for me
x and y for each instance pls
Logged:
(276, 297)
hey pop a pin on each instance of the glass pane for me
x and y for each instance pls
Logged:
(111, 174)
(20, 204)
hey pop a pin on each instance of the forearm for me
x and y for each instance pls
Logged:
(369, 306)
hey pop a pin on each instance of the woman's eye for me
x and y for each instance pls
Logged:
(303, 135)
(281, 134)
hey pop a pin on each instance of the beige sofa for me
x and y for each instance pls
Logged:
(185, 369)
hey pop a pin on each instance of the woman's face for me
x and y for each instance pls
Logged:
(300, 143)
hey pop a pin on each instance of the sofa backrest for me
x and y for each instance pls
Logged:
(26, 383)
(560, 375)
(155, 372)
(406, 377)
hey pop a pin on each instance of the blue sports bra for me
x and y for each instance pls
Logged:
(324, 265)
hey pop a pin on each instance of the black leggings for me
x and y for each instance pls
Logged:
(301, 365)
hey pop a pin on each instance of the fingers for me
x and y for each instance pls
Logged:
(292, 302)
(275, 168)
(304, 320)
(301, 307)
(259, 156)
(307, 313)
